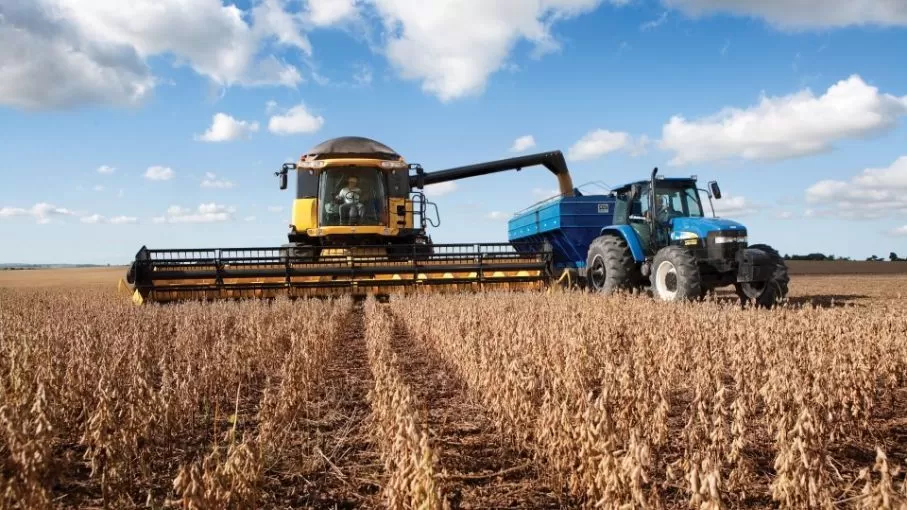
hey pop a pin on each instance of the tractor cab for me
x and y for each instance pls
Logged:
(652, 211)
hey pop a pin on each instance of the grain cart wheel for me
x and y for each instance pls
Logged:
(774, 291)
(675, 275)
(609, 265)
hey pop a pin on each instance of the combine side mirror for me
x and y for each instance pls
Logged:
(282, 174)
(634, 192)
(713, 187)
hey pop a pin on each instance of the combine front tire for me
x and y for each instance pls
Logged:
(774, 291)
(609, 265)
(675, 275)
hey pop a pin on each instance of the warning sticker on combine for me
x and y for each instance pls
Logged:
(604, 208)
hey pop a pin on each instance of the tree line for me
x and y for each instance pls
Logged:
(893, 257)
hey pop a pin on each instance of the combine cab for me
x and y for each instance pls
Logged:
(359, 227)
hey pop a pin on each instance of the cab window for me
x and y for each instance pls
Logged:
(352, 196)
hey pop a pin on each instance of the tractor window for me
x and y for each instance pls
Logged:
(352, 196)
(678, 202)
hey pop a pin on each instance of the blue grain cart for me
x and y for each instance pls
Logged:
(653, 233)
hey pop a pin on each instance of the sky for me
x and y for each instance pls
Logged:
(161, 122)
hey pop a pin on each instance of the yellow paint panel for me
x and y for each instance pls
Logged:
(305, 213)
(359, 229)
(407, 217)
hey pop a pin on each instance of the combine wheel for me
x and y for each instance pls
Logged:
(609, 265)
(675, 275)
(766, 294)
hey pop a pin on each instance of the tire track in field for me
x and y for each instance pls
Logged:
(352, 469)
(480, 472)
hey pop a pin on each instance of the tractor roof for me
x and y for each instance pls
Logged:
(669, 181)
(351, 147)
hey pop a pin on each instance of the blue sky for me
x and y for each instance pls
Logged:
(161, 124)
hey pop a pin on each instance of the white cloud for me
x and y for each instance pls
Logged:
(94, 218)
(61, 53)
(523, 143)
(871, 194)
(225, 128)
(211, 181)
(205, 213)
(98, 187)
(784, 215)
(453, 46)
(791, 126)
(900, 231)
(116, 220)
(42, 212)
(295, 121)
(655, 23)
(362, 77)
(497, 216)
(330, 12)
(159, 173)
(440, 189)
(249, 218)
(734, 207)
(804, 13)
(270, 106)
(107, 170)
(275, 209)
(597, 143)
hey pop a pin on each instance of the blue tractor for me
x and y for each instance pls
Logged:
(653, 233)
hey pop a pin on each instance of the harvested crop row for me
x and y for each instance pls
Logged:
(630, 401)
(410, 461)
(107, 403)
(478, 471)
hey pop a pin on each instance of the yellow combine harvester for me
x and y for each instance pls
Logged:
(358, 227)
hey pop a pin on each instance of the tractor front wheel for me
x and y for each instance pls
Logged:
(609, 265)
(766, 294)
(675, 275)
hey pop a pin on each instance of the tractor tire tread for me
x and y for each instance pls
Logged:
(689, 280)
(618, 261)
(780, 278)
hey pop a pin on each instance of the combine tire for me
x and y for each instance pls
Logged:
(770, 293)
(609, 265)
(675, 275)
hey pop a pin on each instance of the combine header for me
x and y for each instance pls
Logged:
(358, 227)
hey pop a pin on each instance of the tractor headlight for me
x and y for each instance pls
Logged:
(683, 236)
(729, 239)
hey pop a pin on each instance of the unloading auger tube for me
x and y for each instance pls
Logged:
(343, 264)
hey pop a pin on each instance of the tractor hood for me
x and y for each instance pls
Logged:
(702, 226)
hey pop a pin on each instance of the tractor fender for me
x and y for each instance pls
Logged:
(627, 232)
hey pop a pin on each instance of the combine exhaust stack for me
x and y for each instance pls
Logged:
(231, 273)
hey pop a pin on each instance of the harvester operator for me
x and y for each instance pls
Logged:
(349, 198)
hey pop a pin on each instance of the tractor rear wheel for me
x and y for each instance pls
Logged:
(774, 291)
(609, 265)
(675, 275)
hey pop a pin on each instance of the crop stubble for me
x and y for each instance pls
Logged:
(462, 401)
